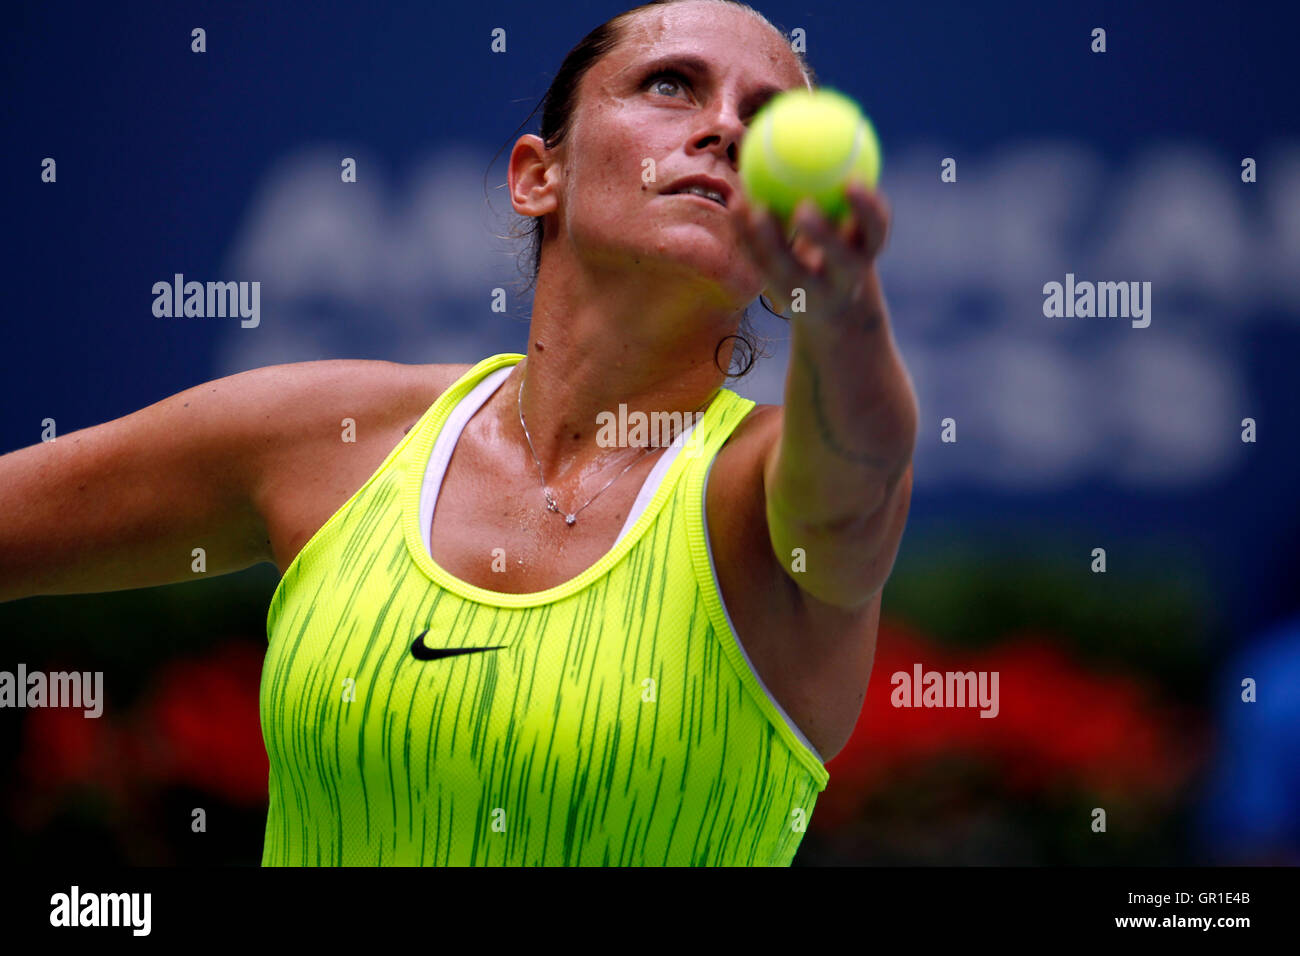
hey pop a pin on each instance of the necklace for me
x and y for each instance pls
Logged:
(551, 505)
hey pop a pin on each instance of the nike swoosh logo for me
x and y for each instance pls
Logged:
(423, 652)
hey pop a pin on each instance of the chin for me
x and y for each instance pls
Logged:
(711, 264)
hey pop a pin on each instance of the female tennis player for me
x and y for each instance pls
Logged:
(498, 640)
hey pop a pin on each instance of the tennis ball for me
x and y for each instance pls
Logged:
(808, 143)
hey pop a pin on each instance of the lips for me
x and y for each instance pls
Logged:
(717, 186)
(694, 195)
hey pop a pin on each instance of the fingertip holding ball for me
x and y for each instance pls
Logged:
(808, 143)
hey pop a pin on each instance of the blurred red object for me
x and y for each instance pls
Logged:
(205, 714)
(62, 747)
(196, 725)
(1059, 726)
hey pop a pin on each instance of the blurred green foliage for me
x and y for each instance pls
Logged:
(1152, 611)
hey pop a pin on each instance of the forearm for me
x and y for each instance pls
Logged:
(835, 478)
(850, 416)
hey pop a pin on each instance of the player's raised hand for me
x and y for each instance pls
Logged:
(833, 263)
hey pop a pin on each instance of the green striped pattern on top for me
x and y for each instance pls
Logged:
(619, 724)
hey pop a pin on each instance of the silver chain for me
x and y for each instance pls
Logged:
(551, 504)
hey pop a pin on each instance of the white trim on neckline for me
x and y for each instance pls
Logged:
(445, 444)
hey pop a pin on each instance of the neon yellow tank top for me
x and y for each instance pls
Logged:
(618, 721)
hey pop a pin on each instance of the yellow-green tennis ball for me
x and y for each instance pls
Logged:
(808, 143)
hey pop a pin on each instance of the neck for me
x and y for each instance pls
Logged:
(601, 338)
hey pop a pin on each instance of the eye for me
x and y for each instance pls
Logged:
(657, 78)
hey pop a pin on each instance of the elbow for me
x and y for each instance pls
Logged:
(843, 560)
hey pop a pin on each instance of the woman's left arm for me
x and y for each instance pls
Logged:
(838, 477)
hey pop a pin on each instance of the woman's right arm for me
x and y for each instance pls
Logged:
(126, 503)
(245, 467)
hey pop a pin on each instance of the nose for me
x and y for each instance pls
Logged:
(721, 134)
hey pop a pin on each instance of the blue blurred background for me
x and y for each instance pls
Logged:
(1073, 433)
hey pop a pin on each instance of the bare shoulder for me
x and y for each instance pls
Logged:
(754, 436)
(280, 409)
(302, 388)
(323, 429)
(737, 472)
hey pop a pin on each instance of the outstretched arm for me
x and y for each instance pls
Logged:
(245, 467)
(124, 504)
(838, 474)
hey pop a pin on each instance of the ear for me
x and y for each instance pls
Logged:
(530, 177)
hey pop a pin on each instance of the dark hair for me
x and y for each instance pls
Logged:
(557, 113)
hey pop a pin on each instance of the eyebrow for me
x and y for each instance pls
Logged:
(700, 67)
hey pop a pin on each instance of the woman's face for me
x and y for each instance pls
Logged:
(633, 120)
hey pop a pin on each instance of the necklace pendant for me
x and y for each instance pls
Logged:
(569, 519)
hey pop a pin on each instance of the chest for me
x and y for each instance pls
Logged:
(493, 530)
